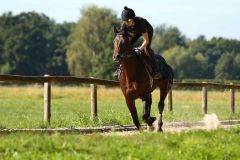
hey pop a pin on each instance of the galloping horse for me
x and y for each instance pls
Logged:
(135, 81)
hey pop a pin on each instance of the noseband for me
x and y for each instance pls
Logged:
(126, 53)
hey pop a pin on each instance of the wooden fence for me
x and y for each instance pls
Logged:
(48, 80)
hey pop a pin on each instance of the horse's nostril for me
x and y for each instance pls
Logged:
(118, 56)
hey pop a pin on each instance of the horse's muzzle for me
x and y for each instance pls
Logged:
(116, 58)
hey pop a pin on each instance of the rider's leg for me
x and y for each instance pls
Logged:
(151, 56)
(155, 73)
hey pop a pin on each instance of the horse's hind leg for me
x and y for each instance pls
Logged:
(133, 111)
(147, 110)
(164, 87)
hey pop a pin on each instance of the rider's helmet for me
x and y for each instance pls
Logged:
(127, 13)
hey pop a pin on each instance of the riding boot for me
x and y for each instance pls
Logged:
(155, 71)
(151, 57)
(155, 74)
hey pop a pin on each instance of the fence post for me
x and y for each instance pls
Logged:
(169, 100)
(204, 99)
(93, 101)
(232, 99)
(47, 101)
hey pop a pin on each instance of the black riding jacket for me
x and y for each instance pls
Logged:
(141, 26)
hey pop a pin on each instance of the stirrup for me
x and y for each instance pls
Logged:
(115, 74)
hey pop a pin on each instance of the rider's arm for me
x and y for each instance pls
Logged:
(145, 40)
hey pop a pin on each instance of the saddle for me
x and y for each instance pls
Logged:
(161, 68)
(145, 60)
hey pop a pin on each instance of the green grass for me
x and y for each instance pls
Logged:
(198, 145)
(22, 107)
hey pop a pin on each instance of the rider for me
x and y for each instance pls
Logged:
(137, 27)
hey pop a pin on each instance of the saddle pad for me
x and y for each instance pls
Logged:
(163, 68)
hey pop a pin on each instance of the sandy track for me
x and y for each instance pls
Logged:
(127, 129)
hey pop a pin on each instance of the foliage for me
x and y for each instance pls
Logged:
(216, 48)
(91, 43)
(228, 66)
(167, 37)
(32, 44)
(181, 60)
(56, 63)
(205, 59)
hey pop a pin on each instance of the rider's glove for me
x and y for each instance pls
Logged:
(138, 50)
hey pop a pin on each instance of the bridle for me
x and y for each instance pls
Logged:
(126, 52)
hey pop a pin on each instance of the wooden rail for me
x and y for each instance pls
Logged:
(56, 79)
(47, 80)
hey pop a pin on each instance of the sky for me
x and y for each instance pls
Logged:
(211, 18)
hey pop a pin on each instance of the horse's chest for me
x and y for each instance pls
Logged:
(133, 86)
(134, 90)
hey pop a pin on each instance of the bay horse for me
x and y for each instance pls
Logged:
(135, 81)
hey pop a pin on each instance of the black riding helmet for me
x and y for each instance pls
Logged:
(127, 13)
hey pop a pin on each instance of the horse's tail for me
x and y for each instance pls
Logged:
(171, 75)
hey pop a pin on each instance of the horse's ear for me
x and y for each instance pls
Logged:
(116, 31)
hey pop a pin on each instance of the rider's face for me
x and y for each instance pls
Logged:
(129, 23)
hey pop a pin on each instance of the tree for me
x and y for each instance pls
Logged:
(57, 48)
(228, 67)
(24, 43)
(200, 44)
(1, 51)
(32, 44)
(216, 48)
(91, 43)
(167, 37)
(185, 64)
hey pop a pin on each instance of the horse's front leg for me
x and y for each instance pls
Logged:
(133, 111)
(147, 110)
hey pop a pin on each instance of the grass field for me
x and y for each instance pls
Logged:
(193, 145)
(22, 106)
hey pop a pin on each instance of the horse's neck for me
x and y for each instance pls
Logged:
(134, 70)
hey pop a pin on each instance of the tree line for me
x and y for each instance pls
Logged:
(33, 44)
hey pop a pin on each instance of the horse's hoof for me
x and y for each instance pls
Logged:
(153, 119)
(138, 127)
(160, 130)
(150, 128)
(150, 121)
(140, 130)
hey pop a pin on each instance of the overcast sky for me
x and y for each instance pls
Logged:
(192, 17)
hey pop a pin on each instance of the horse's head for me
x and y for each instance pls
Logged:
(121, 45)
